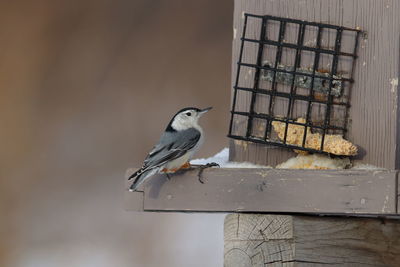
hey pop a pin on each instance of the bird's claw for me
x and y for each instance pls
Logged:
(203, 167)
(212, 164)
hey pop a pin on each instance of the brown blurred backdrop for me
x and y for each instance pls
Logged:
(86, 88)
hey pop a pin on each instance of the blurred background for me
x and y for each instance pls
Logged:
(86, 88)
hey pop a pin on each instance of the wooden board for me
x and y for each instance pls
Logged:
(351, 192)
(373, 118)
(281, 240)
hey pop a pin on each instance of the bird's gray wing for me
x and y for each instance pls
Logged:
(172, 145)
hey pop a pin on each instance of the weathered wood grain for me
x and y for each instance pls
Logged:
(281, 240)
(269, 190)
(373, 117)
(398, 193)
(258, 240)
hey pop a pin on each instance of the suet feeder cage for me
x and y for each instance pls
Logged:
(290, 69)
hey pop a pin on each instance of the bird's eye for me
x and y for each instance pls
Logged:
(189, 114)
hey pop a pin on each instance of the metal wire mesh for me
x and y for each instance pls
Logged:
(290, 69)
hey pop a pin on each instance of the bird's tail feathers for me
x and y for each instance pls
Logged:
(140, 176)
(137, 173)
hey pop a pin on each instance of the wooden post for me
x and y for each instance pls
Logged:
(373, 118)
(282, 240)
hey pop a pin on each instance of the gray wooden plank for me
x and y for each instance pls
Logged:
(398, 193)
(348, 242)
(133, 201)
(272, 190)
(374, 96)
(282, 240)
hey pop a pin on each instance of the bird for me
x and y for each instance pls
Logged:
(181, 139)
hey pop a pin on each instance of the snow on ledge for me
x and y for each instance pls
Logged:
(222, 158)
(311, 161)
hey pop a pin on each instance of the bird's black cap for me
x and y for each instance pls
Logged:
(169, 127)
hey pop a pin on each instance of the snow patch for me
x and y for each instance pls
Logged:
(222, 158)
(361, 166)
(394, 83)
(313, 161)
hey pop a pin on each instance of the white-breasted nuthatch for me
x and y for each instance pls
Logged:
(180, 140)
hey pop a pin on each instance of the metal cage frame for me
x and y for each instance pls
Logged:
(290, 75)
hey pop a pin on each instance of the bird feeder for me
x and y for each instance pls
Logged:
(297, 89)
(307, 77)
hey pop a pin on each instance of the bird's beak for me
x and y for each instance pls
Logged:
(204, 110)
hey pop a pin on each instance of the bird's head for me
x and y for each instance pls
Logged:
(186, 118)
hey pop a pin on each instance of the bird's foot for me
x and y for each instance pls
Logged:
(186, 166)
(168, 177)
(202, 168)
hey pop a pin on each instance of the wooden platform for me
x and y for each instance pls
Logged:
(342, 192)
